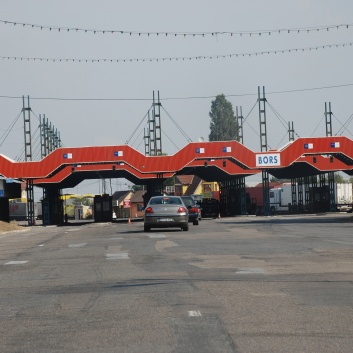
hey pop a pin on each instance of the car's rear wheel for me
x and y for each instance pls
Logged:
(195, 222)
(146, 228)
(185, 228)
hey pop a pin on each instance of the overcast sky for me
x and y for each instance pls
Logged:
(103, 103)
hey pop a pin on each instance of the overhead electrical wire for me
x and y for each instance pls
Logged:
(172, 59)
(343, 126)
(317, 126)
(133, 133)
(164, 133)
(7, 132)
(280, 142)
(137, 137)
(188, 139)
(180, 98)
(280, 119)
(172, 34)
(250, 112)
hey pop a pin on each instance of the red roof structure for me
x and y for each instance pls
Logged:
(211, 161)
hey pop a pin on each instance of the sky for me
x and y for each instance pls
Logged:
(105, 102)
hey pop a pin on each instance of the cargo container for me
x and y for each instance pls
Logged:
(19, 210)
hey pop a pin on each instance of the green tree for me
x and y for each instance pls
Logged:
(169, 182)
(339, 178)
(223, 125)
(83, 200)
(134, 188)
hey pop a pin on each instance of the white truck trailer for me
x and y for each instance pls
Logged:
(281, 198)
(344, 196)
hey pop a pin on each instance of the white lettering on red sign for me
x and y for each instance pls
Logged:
(127, 203)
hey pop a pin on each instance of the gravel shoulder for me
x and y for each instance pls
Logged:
(8, 227)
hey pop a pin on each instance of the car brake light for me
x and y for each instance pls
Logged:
(149, 210)
(181, 209)
(194, 210)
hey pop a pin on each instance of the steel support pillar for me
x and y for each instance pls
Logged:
(266, 192)
(314, 198)
(242, 196)
(308, 206)
(300, 195)
(233, 197)
(30, 202)
(331, 185)
(45, 207)
(323, 197)
(154, 188)
(53, 210)
(294, 205)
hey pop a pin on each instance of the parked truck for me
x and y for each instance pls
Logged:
(19, 212)
(344, 196)
(254, 200)
(280, 199)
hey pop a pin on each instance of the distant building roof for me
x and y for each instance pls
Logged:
(272, 184)
(183, 179)
(121, 195)
(137, 196)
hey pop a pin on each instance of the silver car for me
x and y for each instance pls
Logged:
(166, 212)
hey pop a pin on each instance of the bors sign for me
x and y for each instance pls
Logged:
(268, 160)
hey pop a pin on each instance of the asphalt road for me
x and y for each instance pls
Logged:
(278, 284)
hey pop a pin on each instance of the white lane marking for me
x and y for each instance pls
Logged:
(117, 256)
(194, 313)
(156, 236)
(41, 245)
(341, 242)
(16, 262)
(82, 245)
(116, 238)
(246, 271)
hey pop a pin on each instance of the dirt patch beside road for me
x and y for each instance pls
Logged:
(7, 227)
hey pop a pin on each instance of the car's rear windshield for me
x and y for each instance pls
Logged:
(188, 201)
(163, 200)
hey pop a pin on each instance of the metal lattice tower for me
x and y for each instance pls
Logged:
(328, 118)
(27, 129)
(262, 119)
(291, 131)
(26, 110)
(153, 133)
(263, 143)
(331, 175)
(43, 136)
(240, 119)
(146, 138)
(49, 141)
(49, 137)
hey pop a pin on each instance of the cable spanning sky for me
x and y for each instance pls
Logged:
(300, 51)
